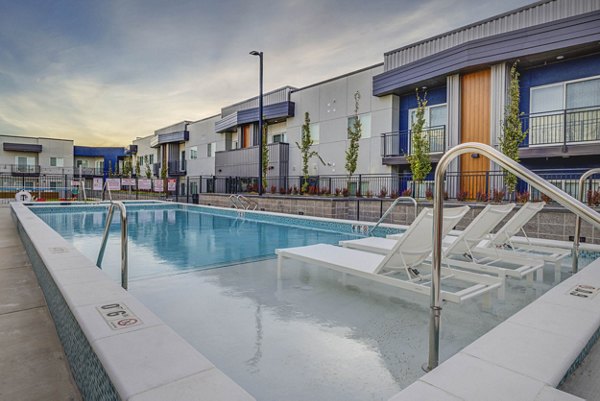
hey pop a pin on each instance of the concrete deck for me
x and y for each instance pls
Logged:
(585, 381)
(33, 365)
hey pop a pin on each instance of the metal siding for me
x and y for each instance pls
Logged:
(277, 110)
(277, 96)
(538, 39)
(522, 18)
(244, 162)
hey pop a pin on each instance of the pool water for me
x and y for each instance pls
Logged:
(172, 240)
(313, 335)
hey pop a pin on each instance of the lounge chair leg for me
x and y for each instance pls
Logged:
(487, 301)
(557, 272)
(530, 278)
(502, 288)
(539, 274)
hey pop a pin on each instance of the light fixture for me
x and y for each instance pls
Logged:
(475, 155)
(560, 57)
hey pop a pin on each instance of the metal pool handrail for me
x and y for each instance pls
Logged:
(582, 179)
(389, 210)
(124, 261)
(510, 165)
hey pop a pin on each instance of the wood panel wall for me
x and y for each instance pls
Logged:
(475, 127)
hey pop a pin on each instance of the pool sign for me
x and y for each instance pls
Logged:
(97, 185)
(128, 182)
(145, 183)
(158, 185)
(584, 291)
(114, 184)
(118, 316)
(171, 184)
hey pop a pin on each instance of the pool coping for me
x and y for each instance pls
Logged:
(147, 361)
(525, 357)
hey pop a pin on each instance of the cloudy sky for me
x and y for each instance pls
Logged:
(104, 72)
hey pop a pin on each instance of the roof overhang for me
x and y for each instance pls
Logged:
(270, 112)
(22, 147)
(171, 137)
(581, 31)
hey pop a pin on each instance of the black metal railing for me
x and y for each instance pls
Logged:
(176, 168)
(25, 169)
(562, 127)
(399, 143)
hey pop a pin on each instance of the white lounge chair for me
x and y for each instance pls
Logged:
(504, 243)
(409, 253)
(464, 246)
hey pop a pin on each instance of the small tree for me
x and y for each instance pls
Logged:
(512, 130)
(163, 171)
(127, 168)
(265, 156)
(148, 171)
(354, 134)
(420, 162)
(305, 150)
(137, 168)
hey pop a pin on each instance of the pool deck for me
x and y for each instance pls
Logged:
(33, 365)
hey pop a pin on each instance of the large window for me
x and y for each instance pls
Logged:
(194, 152)
(278, 138)
(81, 163)
(566, 111)
(365, 120)
(211, 149)
(315, 134)
(436, 118)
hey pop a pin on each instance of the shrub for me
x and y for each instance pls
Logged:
(282, 191)
(358, 194)
(338, 192)
(498, 195)
(461, 196)
(481, 197)
(369, 194)
(522, 197)
(273, 189)
(406, 192)
(429, 194)
(345, 192)
(394, 195)
(593, 198)
(295, 190)
(325, 191)
(312, 190)
(546, 198)
(289, 191)
(383, 192)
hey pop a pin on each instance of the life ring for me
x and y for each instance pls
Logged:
(23, 196)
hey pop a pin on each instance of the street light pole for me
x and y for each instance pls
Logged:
(260, 121)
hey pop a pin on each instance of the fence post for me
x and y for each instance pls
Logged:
(487, 183)
(137, 190)
(187, 189)
(359, 189)
(564, 149)
(357, 209)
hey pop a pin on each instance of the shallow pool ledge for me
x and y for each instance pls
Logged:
(525, 357)
(114, 357)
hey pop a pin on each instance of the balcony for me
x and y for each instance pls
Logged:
(171, 137)
(176, 168)
(395, 146)
(25, 170)
(569, 131)
(244, 162)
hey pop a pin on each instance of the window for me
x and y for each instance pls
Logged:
(151, 159)
(24, 161)
(211, 149)
(314, 133)
(435, 125)
(99, 165)
(576, 101)
(194, 153)
(81, 163)
(279, 138)
(57, 162)
(365, 121)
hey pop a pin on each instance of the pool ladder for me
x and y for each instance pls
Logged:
(124, 256)
(389, 210)
(243, 203)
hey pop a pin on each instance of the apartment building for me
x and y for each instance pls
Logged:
(31, 156)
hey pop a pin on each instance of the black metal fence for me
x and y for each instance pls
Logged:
(562, 126)
(479, 186)
(398, 143)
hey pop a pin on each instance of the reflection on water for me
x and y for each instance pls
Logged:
(166, 241)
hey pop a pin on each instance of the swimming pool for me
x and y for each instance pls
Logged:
(311, 335)
(166, 239)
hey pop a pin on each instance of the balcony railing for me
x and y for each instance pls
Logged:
(25, 169)
(176, 168)
(562, 127)
(400, 143)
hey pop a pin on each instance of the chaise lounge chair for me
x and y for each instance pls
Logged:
(504, 243)
(460, 251)
(409, 253)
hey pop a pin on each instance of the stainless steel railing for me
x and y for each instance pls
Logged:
(581, 194)
(511, 166)
(389, 210)
(124, 250)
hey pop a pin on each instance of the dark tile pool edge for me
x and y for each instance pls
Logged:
(89, 374)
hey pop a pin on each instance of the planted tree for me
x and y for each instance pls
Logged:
(137, 168)
(148, 171)
(354, 135)
(306, 151)
(420, 162)
(512, 129)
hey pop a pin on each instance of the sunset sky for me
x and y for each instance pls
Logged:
(104, 72)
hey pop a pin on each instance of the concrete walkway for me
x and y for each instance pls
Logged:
(33, 365)
(585, 381)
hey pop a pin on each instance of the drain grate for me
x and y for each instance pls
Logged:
(584, 291)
